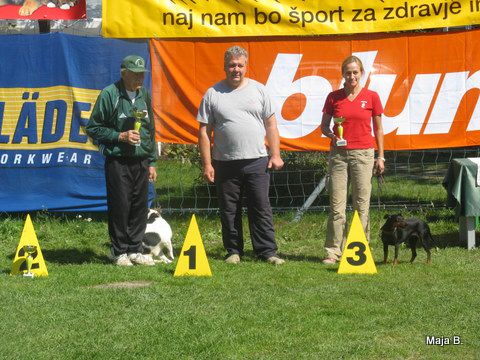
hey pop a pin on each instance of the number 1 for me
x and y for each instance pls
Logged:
(192, 258)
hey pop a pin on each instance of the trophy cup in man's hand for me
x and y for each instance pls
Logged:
(339, 121)
(138, 115)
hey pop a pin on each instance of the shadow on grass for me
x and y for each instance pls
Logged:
(68, 256)
(74, 256)
(449, 240)
(249, 255)
(441, 241)
(301, 258)
(220, 254)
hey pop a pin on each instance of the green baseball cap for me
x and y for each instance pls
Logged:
(134, 63)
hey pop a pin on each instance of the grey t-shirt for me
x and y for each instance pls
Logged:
(237, 117)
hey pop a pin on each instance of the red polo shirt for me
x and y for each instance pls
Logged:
(358, 114)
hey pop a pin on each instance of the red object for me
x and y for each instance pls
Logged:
(358, 115)
(10, 12)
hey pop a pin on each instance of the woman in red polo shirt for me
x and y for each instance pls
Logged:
(354, 161)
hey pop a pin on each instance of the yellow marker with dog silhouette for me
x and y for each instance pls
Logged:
(28, 257)
(357, 257)
(193, 258)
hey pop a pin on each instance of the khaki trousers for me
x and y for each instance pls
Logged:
(348, 167)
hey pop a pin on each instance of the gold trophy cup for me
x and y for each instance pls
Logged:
(138, 115)
(339, 121)
(29, 251)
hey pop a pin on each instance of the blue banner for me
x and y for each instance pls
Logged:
(48, 86)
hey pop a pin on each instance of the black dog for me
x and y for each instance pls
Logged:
(397, 230)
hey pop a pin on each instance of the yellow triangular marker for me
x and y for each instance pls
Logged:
(357, 258)
(193, 258)
(38, 267)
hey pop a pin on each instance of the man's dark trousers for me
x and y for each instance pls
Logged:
(232, 179)
(127, 201)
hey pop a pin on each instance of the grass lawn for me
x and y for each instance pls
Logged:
(302, 310)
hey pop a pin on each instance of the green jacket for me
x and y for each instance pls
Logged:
(112, 114)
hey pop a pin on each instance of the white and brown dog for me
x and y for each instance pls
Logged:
(158, 238)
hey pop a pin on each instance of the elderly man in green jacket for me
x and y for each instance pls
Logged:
(130, 157)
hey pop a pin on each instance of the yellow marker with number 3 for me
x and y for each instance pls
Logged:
(357, 257)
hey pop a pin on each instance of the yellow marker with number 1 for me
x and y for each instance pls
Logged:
(193, 258)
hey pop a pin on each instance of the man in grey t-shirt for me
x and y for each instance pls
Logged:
(239, 113)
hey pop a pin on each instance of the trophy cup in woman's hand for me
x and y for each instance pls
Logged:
(339, 121)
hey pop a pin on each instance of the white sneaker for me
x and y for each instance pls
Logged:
(233, 259)
(122, 260)
(275, 260)
(141, 259)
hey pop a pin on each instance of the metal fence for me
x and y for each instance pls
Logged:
(300, 185)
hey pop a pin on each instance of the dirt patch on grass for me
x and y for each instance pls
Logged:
(124, 285)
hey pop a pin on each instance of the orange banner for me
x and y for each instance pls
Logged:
(428, 84)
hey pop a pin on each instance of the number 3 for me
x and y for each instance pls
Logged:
(360, 253)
